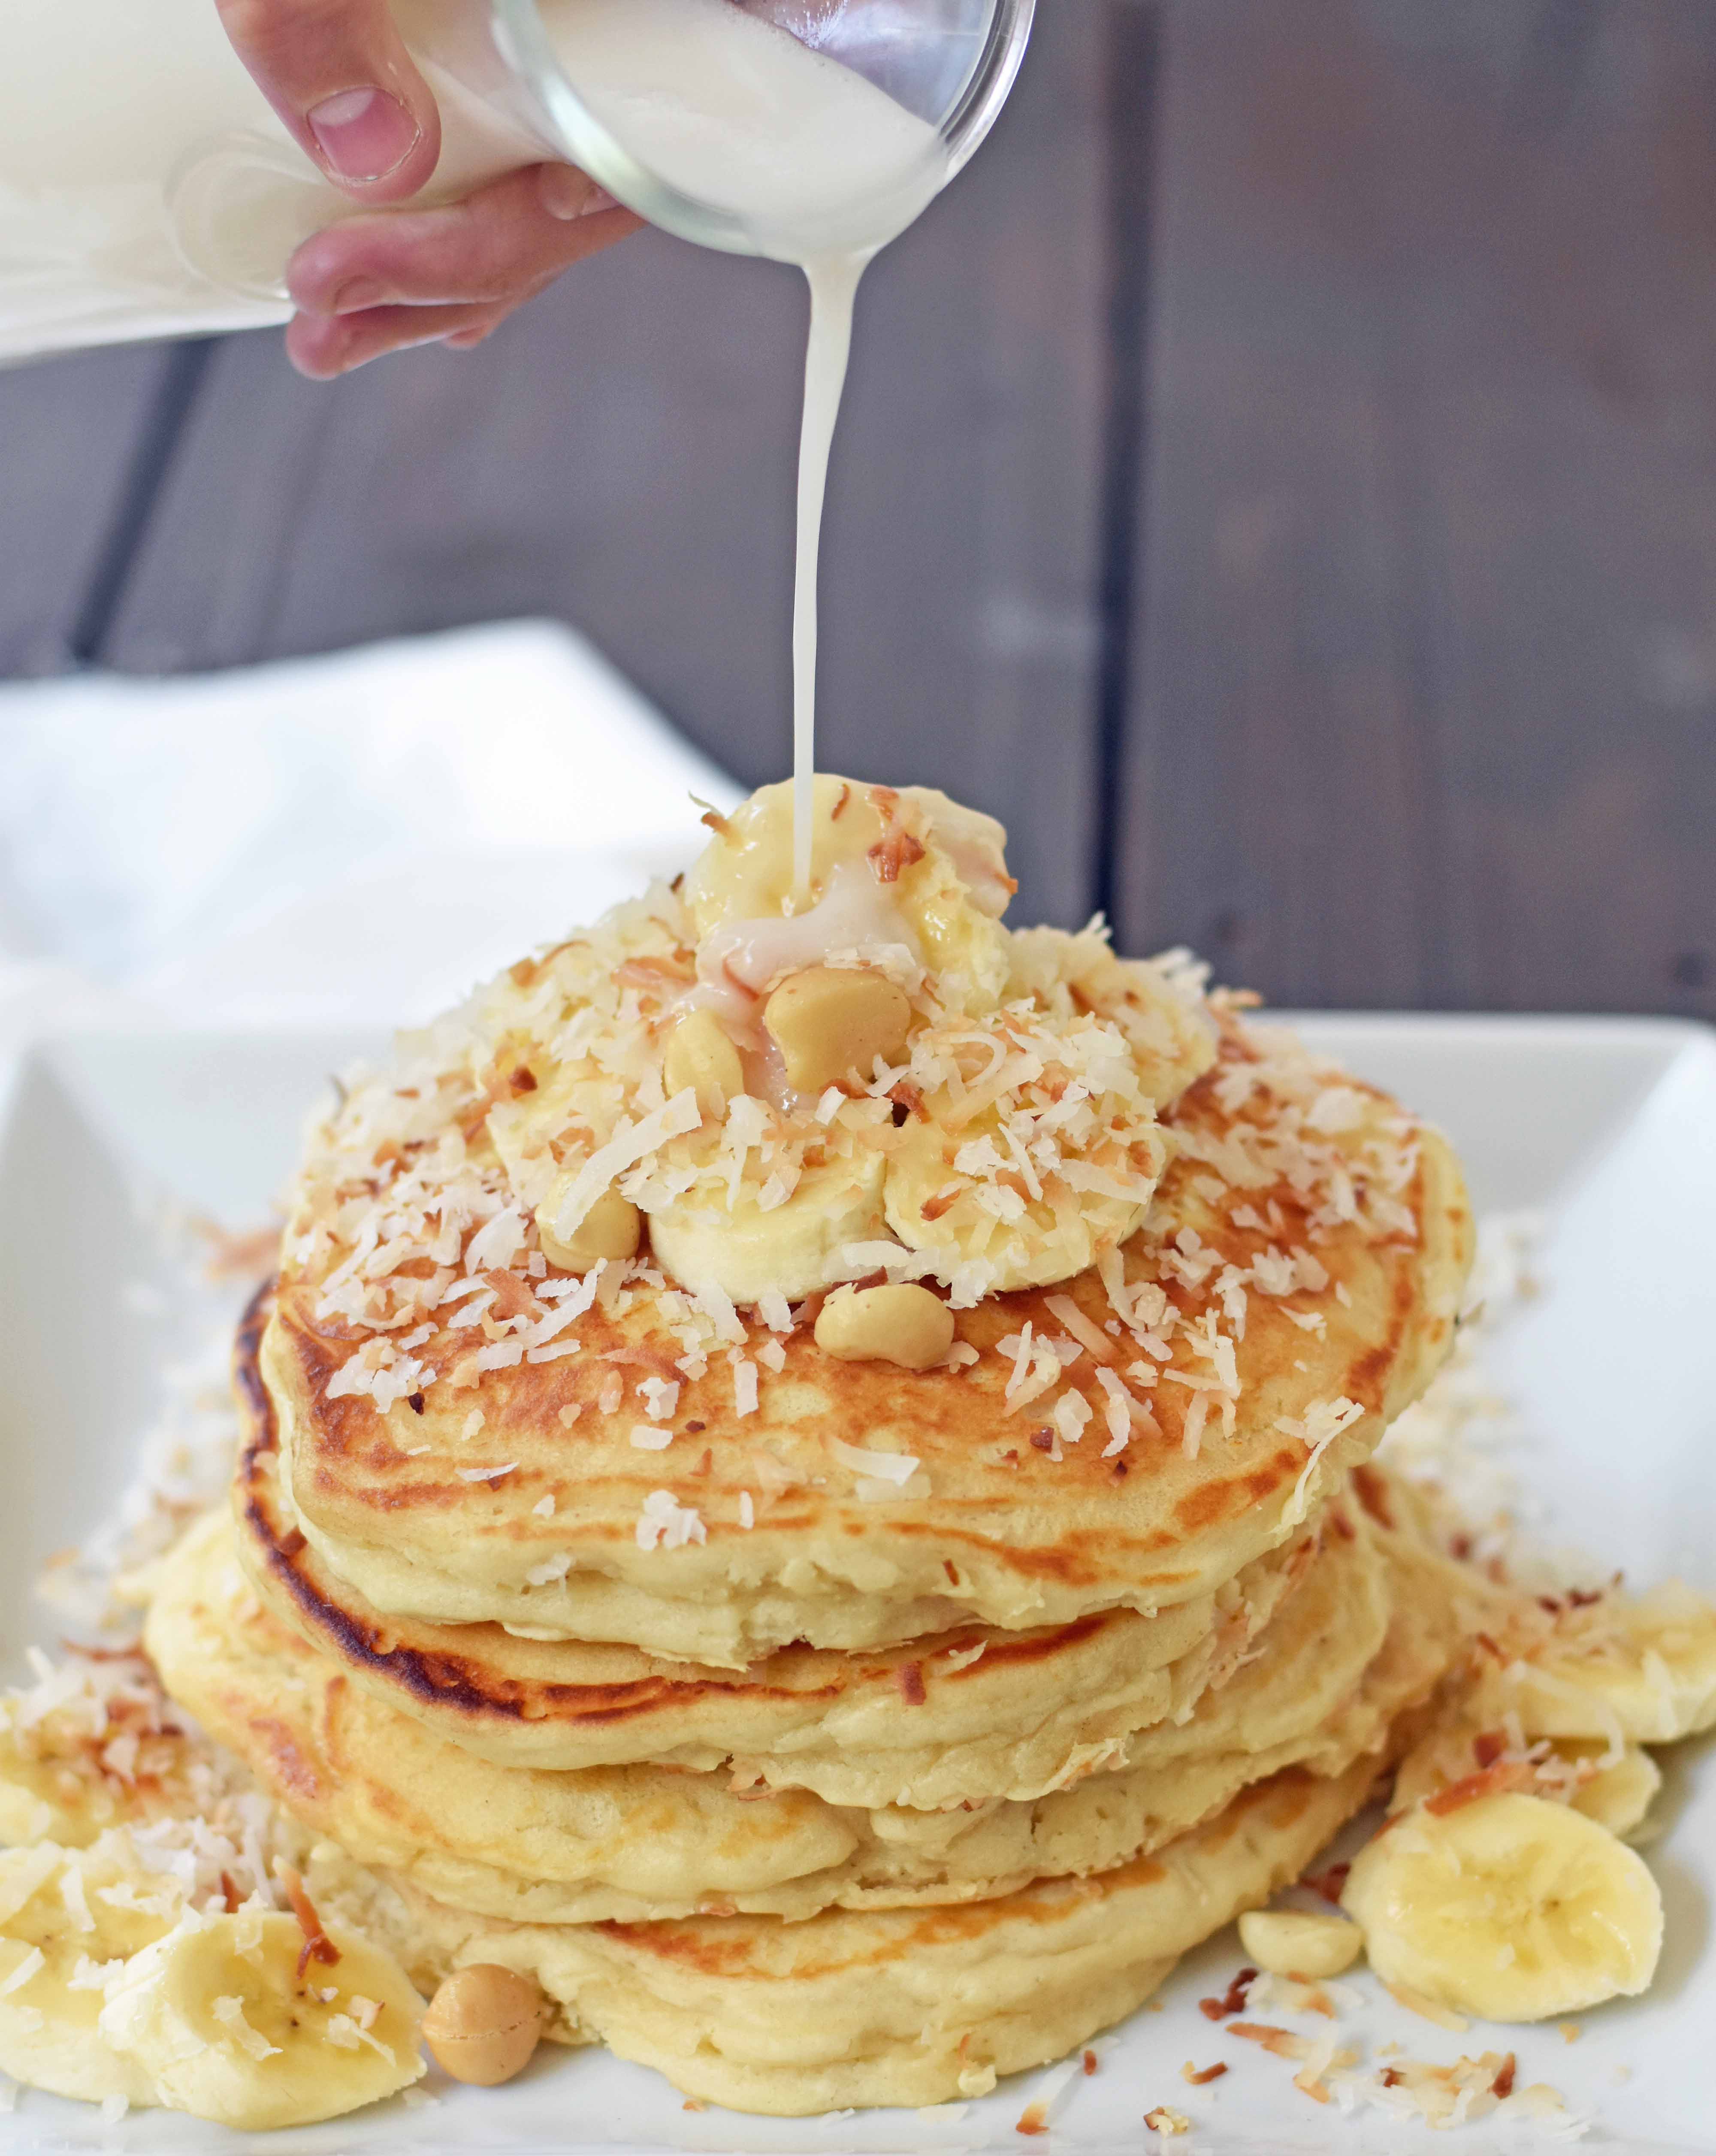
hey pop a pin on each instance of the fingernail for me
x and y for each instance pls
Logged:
(363, 134)
(567, 194)
(356, 294)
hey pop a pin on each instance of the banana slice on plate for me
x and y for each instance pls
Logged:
(1618, 1794)
(1615, 1785)
(1644, 1669)
(53, 1786)
(40, 1801)
(231, 2022)
(70, 1919)
(1510, 1908)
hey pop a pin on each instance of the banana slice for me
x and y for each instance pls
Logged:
(1510, 1908)
(1644, 1669)
(1615, 1787)
(948, 888)
(41, 1802)
(68, 1920)
(795, 1249)
(54, 1785)
(1169, 1033)
(1618, 1796)
(1444, 1757)
(933, 1204)
(217, 2014)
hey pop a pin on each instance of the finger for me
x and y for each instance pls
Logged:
(338, 74)
(469, 340)
(324, 346)
(501, 244)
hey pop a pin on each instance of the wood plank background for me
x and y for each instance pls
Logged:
(1424, 699)
(1278, 479)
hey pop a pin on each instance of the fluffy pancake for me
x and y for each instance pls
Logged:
(1001, 1714)
(903, 2006)
(1369, 1632)
(1293, 1289)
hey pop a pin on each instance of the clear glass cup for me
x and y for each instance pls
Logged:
(241, 203)
(950, 63)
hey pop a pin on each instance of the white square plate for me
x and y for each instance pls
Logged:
(1608, 1128)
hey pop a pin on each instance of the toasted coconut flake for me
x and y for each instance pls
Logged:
(1089, 1337)
(895, 1468)
(1429, 2010)
(1232, 2001)
(317, 1945)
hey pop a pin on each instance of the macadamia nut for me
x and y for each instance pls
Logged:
(483, 2023)
(828, 1021)
(902, 1323)
(1300, 1942)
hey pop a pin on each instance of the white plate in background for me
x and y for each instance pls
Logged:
(1607, 1126)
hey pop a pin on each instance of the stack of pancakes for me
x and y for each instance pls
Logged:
(862, 1744)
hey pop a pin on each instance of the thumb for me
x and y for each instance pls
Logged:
(338, 74)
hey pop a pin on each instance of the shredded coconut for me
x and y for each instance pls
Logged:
(34, 1962)
(665, 1523)
(895, 1468)
(229, 2012)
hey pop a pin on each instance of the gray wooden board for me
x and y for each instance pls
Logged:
(1424, 709)
(70, 430)
(622, 456)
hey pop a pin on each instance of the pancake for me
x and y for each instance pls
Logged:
(1293, 1289)
(1369, 1634)
(903, 2006)
(1008, 1715)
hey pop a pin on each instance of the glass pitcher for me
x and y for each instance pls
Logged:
(147, 190)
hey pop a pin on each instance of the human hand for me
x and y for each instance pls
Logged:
(374, 284)
(339, 75)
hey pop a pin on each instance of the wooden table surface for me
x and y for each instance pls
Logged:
(1279, 479)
